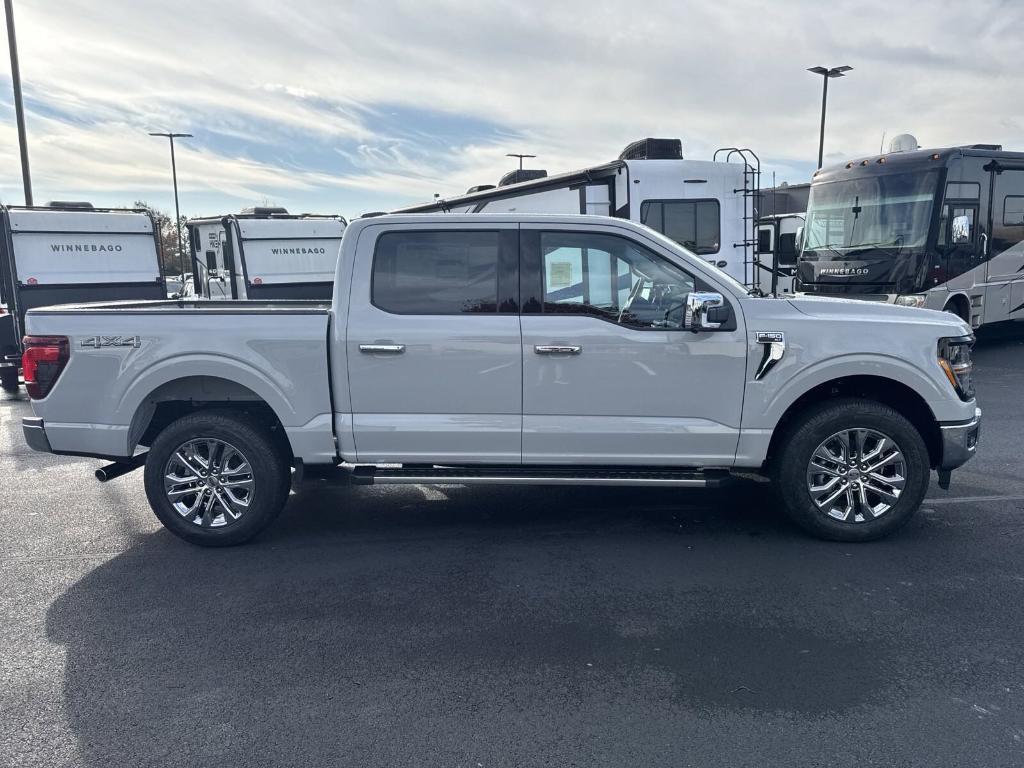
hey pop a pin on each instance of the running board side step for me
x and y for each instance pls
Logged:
(366, 474)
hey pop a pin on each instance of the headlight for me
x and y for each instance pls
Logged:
(955, 360)
(912, 300)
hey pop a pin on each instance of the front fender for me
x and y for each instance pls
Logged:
(768, 400)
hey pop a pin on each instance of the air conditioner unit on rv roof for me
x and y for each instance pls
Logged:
(264, 211)
(521, 174)
(69, 204)
(653, 149)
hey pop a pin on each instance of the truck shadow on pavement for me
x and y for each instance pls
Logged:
(438, 625)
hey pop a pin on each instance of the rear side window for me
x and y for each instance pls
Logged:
(436, 273)
(694, 224)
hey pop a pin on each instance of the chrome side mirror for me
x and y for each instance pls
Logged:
(697, 307)
(961, 229)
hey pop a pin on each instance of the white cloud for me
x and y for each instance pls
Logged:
(571, 81)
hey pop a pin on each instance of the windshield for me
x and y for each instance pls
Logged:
(889, 210)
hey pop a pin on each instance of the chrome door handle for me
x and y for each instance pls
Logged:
(557, 350)
(382, 349)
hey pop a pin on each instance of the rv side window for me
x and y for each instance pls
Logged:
(1013, 211)
(611, 278)
(436, 273)
(963, 190)
(695, 224)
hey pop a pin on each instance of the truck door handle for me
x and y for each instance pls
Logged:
(557, 350)
(382, 349)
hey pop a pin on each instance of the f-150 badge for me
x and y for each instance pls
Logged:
(96, 342)
(774, 348)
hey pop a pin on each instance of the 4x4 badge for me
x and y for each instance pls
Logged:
(774, 348)
(96, 342)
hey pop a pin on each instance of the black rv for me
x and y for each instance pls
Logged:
(67, 253)
(937, 228)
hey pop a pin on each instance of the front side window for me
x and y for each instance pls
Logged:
(436, 273)
(888, 210)
(611, 278)
(695, 224)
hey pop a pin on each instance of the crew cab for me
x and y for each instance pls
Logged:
(498, 348)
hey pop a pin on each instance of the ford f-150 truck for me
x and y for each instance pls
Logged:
(508, 349)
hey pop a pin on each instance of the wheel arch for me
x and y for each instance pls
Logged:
(177, 397)
(897, 395)
(959, 304)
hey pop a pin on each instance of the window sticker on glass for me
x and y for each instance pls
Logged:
(561, 274)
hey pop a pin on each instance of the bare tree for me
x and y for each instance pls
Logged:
(174, 263)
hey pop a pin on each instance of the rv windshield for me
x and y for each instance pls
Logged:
(891, 210)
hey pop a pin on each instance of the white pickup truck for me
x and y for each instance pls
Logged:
(508, 349)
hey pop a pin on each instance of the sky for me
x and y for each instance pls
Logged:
(350, 107)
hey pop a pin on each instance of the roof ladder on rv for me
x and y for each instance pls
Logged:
(751, 189)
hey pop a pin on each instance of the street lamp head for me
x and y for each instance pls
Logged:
(833, 72)
(173, 135)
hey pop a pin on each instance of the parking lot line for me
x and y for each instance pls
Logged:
(971, 499)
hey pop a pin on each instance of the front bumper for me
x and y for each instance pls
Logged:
(960, 441)
(35, 434)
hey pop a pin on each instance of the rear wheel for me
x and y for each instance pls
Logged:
(216, 478)
(852, 470)
(9, 379)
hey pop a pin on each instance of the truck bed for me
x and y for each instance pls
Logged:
(128, 357)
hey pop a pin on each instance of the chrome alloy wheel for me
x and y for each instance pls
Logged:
(209, 482)
(856, 475)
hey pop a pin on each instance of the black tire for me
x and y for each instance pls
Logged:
(810, 430)
(270, 477)
(9, 379)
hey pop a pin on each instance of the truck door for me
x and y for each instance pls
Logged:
(609, 375)
(434, 345)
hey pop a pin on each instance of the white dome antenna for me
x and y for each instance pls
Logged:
(903, 142)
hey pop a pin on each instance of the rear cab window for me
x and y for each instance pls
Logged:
(437, 272)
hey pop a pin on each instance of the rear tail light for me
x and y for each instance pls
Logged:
(42, 362)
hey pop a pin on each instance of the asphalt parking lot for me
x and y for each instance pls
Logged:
(455, 626)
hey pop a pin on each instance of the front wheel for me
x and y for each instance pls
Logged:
(852, 470)
(216, 478)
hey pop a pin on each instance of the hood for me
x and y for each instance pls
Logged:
(855, 310)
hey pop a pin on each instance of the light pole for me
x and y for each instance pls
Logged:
(174, 176)
(19, 107)
(826, 74)
(516, 154)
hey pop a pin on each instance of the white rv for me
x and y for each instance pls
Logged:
(706, 205)
(70, 253)
(265, 253)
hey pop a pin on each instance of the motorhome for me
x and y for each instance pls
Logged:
(938, 228)
(707, 206)
(70, 253)
(264, 253)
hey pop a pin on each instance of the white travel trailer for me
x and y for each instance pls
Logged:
(70, 253)
(706, 205)
(777, 252)
(265, 253)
